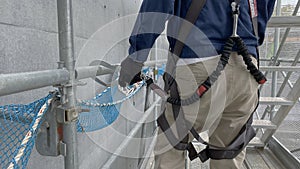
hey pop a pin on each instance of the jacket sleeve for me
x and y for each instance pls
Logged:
(149, 25)
(265, 9)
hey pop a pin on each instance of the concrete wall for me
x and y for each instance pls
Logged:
(29, 39)
(29, 42)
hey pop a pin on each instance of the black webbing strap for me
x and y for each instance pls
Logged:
(165, 127)
(184, 30)
(214, 152)
(234, 148)
(170, 84)
(178, 115)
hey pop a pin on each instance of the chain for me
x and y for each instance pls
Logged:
(128, 91)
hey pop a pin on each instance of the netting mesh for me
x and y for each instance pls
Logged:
(19, 123)
(18, 128)
(104, 108)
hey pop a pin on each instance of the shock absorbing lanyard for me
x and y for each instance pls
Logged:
(246, 134)
(234, 39)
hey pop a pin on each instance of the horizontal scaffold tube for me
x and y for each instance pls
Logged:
(284, 21)
(280, 68)
(18, 82)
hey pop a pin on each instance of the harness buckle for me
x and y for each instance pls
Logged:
(201, 90)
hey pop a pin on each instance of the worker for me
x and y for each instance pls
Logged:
(223, 110)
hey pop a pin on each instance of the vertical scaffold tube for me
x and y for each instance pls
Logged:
(66, 54)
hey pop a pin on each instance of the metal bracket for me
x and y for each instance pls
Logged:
(49, 138)
(48, 135)
(65, 115)
(106, 65)
(76, 83)
(62, 89)
(62, 148)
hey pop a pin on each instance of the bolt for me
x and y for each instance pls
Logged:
(75, 114)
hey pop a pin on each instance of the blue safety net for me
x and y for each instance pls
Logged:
(19, 125)
(104, 109)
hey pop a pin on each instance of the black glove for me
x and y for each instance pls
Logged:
(130, 72)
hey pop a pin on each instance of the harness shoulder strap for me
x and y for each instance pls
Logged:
(185, 28)
(170, 84)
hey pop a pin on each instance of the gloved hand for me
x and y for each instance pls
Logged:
(130, 72)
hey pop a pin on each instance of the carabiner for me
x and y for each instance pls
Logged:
(235, 15)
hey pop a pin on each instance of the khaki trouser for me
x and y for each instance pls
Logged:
(221, 112)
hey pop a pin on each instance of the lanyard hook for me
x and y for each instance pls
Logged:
(235, 14)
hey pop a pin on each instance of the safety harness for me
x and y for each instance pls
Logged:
(182, 125)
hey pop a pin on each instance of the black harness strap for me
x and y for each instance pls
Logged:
(183, 126)
(211, 151)
(214, 152)
(170, 84)
(191, 16)
(185, 28)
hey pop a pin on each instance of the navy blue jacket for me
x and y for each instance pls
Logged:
(215, 22)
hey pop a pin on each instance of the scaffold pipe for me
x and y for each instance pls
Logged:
(67, 60)
(284, 21)
(18, 82)
(91, 71)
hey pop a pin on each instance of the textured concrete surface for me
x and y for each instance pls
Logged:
(29, 40)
